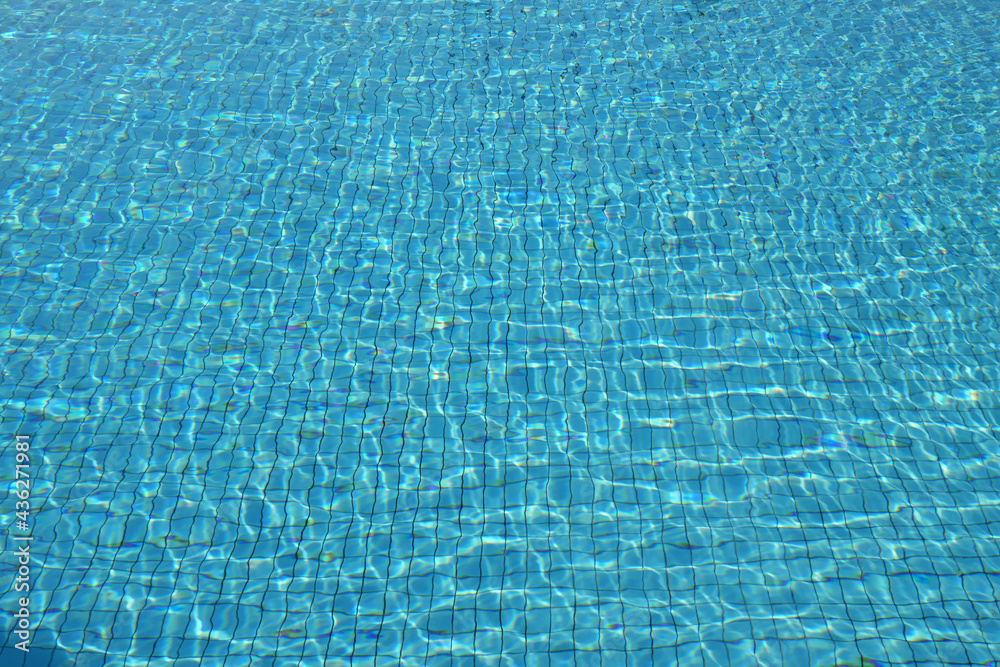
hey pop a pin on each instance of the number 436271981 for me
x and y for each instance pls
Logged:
(22, 484)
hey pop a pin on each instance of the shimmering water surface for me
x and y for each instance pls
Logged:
(504, 333)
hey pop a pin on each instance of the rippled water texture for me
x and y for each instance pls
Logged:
(454, 333)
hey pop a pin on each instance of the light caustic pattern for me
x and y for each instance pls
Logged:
(505, 333)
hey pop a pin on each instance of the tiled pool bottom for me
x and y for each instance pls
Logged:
(482, 333)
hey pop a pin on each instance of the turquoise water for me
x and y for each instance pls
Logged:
(486, 333)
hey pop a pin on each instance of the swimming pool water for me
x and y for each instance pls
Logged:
(504, 333)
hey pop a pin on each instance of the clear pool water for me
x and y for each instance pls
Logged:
(503, 333)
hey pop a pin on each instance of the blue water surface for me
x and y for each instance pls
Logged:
(503, 333)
